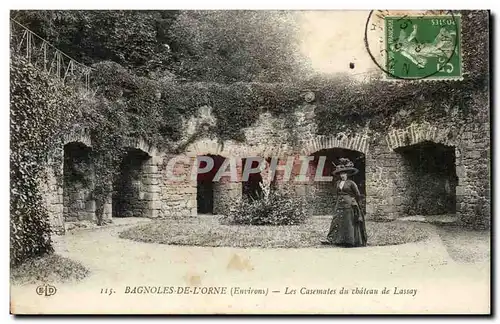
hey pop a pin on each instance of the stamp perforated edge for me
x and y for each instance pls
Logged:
(385, 76)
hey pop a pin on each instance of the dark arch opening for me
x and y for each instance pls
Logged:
(322, 194)
(430, 179)
(251, 188)
(205, 187)
(130, 199)
(78, 183)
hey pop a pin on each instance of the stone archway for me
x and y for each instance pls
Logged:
(418, 174)
(322, 194)
(429, 180)
(208, 193)
(356, 142)
(78, 182)
(215, 197)
(135, 188)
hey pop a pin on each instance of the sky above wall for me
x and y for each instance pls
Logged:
(333, 39)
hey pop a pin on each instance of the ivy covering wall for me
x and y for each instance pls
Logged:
(126, 105)
(341, 104)
(41, 110)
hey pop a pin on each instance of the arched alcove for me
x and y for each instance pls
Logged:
(208, 193)
(322, 194)
(429, 179)
(78, 182)
(132, 188)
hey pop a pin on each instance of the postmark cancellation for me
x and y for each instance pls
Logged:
(415, 45)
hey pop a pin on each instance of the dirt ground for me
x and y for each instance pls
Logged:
(447, 273)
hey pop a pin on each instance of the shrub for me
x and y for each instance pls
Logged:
(277, 207)
(51, 268)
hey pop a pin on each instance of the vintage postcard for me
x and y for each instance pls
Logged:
(250, 162)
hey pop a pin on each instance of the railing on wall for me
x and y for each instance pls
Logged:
(47, 57)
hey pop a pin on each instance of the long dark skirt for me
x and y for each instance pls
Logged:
(348, 224)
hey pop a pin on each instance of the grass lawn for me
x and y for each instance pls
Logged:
(207, 231)
(47, 269)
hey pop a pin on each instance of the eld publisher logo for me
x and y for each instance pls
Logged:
(46, 290)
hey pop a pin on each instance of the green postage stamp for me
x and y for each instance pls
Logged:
(423, 47)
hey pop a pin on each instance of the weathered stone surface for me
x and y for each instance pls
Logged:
(400, 177)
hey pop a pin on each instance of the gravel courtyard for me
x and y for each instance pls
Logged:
(450, 272)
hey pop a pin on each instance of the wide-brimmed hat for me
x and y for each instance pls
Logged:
(345, 166)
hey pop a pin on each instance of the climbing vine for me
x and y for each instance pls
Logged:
(340, 103)
(128, 106)
(41, 111)
(343, 105)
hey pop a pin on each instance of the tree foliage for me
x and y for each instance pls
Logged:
(220, 46)
(212, 46)
(134, 39)
(229, 46)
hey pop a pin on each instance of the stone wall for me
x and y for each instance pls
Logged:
(177, 197)
(138, 187)
(385, 192)
(473, 156)
(431, 179)
(413, 181)
(178, 187)
(394, 186)
(78, 183)
(393, 181)
(52, 195)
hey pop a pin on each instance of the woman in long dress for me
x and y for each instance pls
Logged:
(348, 224)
